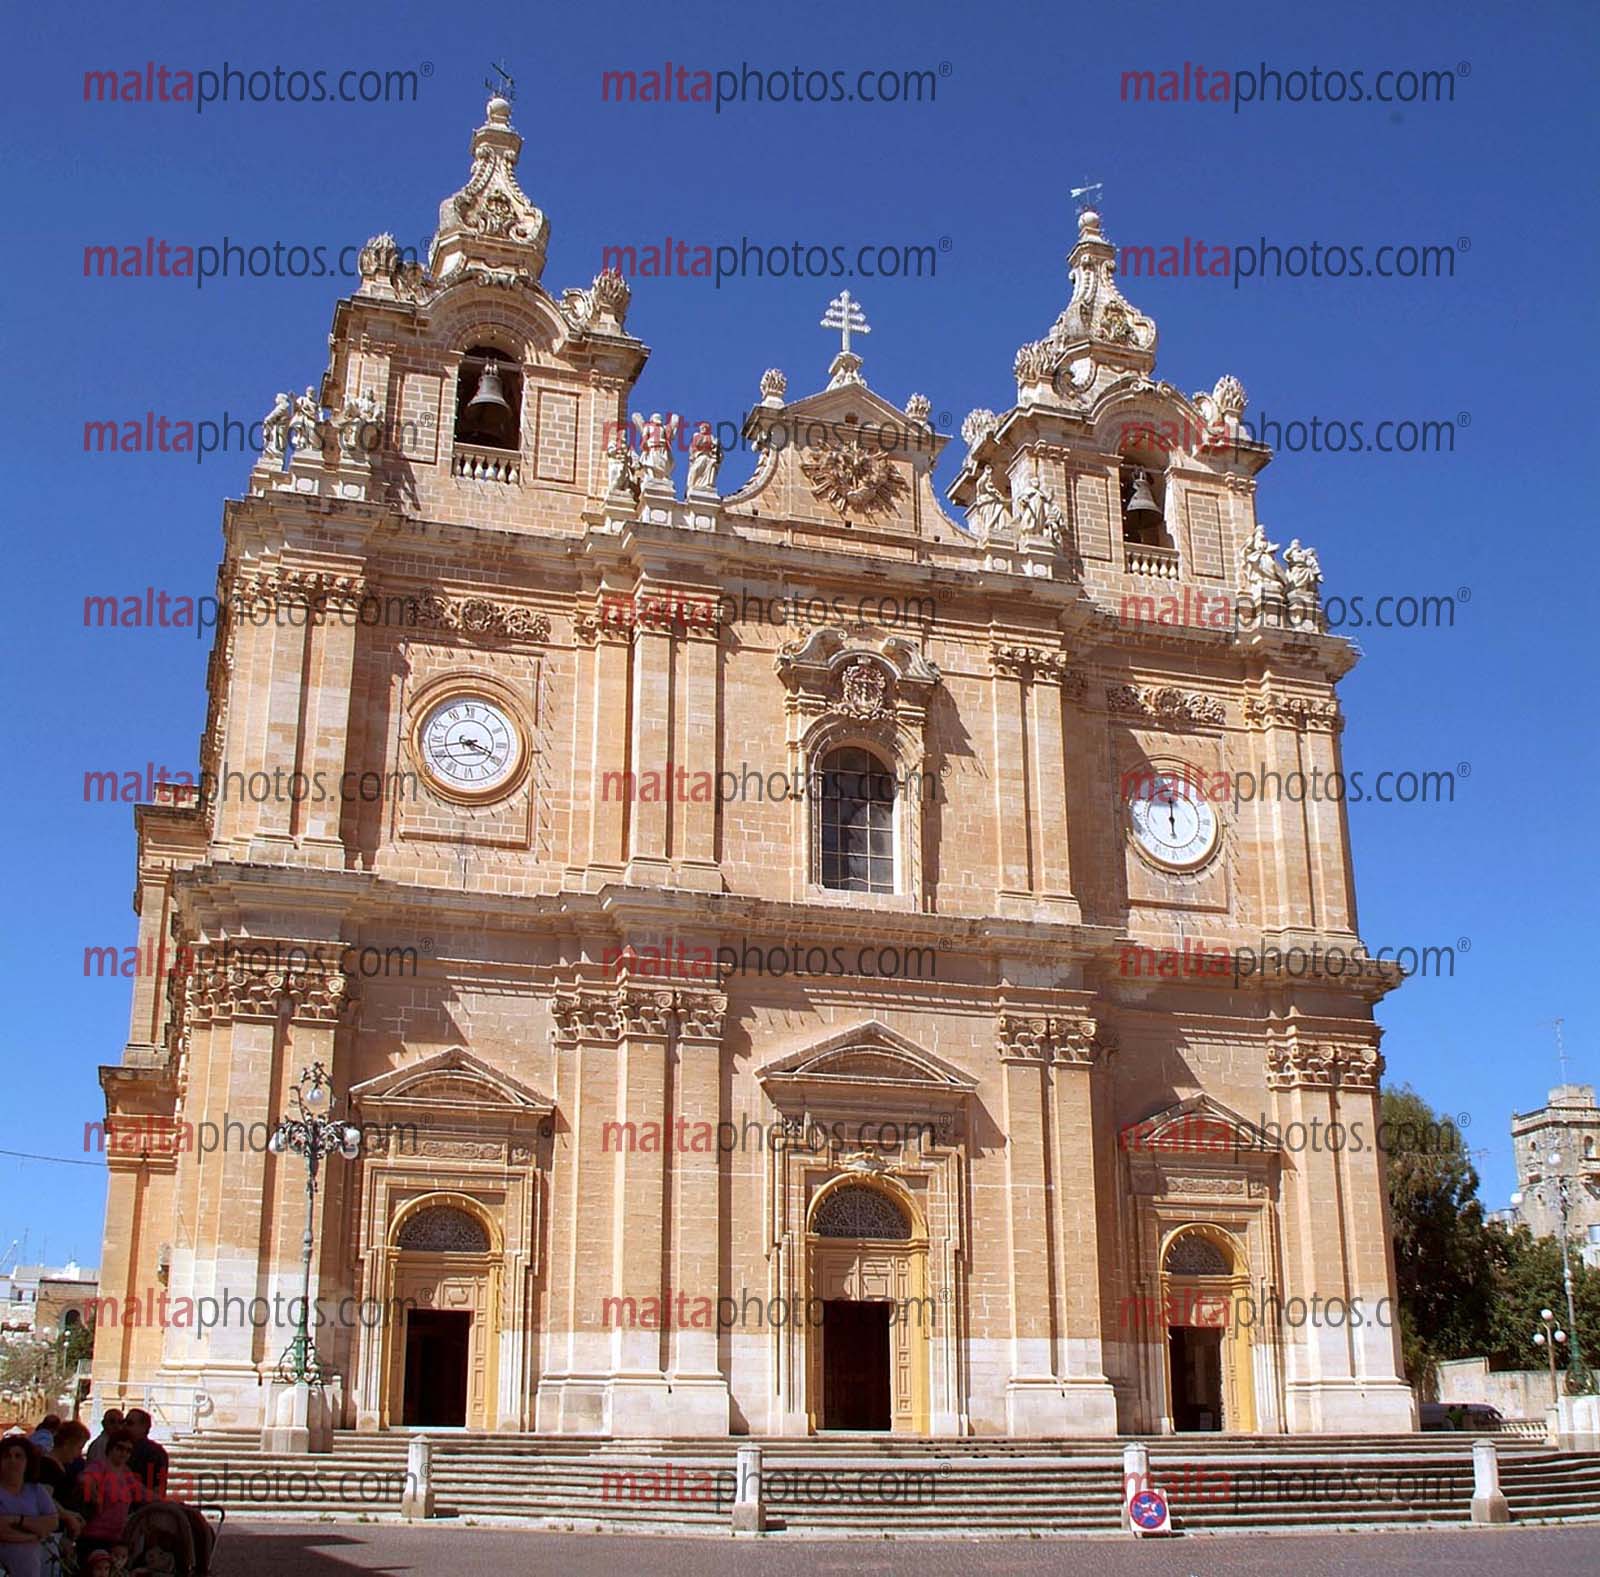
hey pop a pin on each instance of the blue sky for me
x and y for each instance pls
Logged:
(1028, 104)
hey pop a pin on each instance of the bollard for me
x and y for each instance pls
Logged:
(749, 1508)
(1488, 1504)
(1135, 1476)
(417, 1500)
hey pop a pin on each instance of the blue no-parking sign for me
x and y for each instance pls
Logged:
(1147, 1511)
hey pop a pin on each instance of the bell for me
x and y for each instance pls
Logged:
(488, 391)
(1143, 500)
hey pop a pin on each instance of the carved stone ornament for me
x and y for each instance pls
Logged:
(864, 690)
(852, 480)
(829, 671)
(386, 272)
(1096, 313)
(1165, 704)
(603, 306)
(1321, 1066)
(1293, 711)
(774, 385)
(1024, 1037)
(257, 589)
(977, 426)
(478, 616)
(491, 220)
(609, 1014)
(256, 978)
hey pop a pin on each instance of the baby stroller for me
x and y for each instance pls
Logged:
(166, 1538)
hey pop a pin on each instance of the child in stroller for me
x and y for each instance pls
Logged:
(166, 1538)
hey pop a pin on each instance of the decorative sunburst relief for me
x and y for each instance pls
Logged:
(851, 480)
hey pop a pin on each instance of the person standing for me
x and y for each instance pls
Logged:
(110, 1422)
(149, 1460)
(27, 1514)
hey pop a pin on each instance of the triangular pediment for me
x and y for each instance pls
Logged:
(844, 460)
(869, 1054)
(1198, 1126)
(451, 1080)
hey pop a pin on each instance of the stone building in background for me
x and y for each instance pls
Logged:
(792, 949)
(1568, 1128)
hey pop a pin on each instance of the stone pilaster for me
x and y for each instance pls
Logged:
(1340, 1377)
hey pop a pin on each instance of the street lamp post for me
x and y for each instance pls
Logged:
(1548, 1339)
(311, 1133)
(1554, 1189)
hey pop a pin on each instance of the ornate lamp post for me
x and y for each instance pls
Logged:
(313, 1134)
(1548, 1338)
(1554, 1189)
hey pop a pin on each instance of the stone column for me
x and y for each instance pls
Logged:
(1034, 1401)
(1341, 1377)
(573, 1389)
(1012, 810)
(1282, 837)
(699, 1401)
(650, 814)
(637, 1386)
(330, 678)
(601, 748)
(695, 843)
(1084, 1176)
(1046, 695)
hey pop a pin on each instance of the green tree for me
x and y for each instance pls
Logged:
(1448, 1259)
(1531, 1281)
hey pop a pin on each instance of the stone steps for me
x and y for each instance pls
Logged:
(907, 1487)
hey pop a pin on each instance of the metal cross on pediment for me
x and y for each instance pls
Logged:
(844, 313)
(506, 87)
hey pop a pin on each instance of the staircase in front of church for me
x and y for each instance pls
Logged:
(889, 1487)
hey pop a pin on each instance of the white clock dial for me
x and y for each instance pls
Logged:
(1172, 822)
(470, 744)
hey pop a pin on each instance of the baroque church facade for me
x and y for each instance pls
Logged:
(789, 1028)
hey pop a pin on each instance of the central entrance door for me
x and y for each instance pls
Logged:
(1196, 1377)
(438, 1346)
(855, 1365)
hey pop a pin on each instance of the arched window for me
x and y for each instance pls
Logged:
(70, 1319)
(860, 1212)
(489, 400)
(444, 1229)
(856, 822)
(1197, 1256)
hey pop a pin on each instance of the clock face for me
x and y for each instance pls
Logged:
(470, 745)
(1172, 822)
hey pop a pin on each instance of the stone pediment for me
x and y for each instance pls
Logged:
(452, 1082)
(843, 459)
(867, 1058)
(1197, 1127)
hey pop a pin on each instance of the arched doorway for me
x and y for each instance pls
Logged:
(868, 1313)
(444, 1302)
(1204, 1280)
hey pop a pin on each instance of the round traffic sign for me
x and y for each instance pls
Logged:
(1148, 1511)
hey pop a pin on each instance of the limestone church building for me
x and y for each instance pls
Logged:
(778, 938)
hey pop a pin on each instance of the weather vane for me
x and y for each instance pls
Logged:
(844, 313)
(1084, 191)
(506, 87)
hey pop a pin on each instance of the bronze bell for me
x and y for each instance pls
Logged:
(1142, 501)
(488, 391)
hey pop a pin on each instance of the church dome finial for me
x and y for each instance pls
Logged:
(491, 220)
